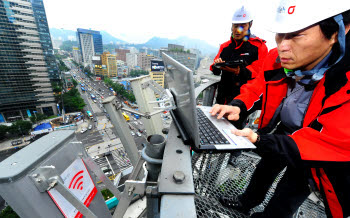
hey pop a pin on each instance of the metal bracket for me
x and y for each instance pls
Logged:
(154, 86)
(62, 189)
(132, 187)
(168, 100)
(45, 178)
(98, 172)
(150, 159)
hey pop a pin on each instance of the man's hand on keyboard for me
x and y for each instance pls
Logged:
(230, 112)
(246, 132)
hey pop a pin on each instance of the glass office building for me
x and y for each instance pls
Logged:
(90, 44)
(45, 39)
(25, 86)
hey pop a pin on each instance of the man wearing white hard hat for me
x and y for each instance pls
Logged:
(238, 59)
(304, 122)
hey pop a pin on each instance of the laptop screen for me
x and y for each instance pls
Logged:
(180, 83)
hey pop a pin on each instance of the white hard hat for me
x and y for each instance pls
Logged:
(295, 15)
(242, 15)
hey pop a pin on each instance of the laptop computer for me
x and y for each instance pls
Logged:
(195, 124)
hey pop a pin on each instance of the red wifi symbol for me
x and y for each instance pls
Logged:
(77, 179)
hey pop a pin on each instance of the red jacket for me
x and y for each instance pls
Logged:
(322, 145)
(252, 52)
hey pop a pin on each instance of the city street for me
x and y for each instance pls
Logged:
(100, 138)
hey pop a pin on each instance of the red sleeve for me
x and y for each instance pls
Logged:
(253, 90)
(222, 46)
(331, 143)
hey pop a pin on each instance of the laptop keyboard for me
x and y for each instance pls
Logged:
(208, 133)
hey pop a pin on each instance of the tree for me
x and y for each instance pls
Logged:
(3, 130)
(63, 67)
(73, 101)
(120, 90)
(68, 45)
(8, 213)
(37, 117)
(23, 126)
(75, 83)
(56, 87)
(107, 194)
(136, 73)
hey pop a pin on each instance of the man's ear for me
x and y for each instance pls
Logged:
(347, 28)
(250, 24)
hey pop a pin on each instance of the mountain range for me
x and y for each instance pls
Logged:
(154, 43)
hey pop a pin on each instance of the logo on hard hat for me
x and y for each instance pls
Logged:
(291, 9)
(244, 15)
(282, 10)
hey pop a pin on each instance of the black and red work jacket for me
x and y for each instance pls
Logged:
(252, 52)
(322, 144)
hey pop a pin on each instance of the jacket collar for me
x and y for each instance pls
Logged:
(336, 77)
(274, 76)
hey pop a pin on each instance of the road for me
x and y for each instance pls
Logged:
(102, 141)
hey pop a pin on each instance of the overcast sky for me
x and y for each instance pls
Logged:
(139, 20)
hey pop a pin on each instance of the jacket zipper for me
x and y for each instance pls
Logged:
(307, 108)
(262, 118)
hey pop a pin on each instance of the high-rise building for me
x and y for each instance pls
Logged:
(157, 72)
(97, 65)
(133, 50)
(76, 55)
(45, 39)
(110, 61)
(90, 44)
(184, 57)
(176, 47)
(25, 86)
(187, 59)
(105, 65)
(144, 61)
(149, 51)
(121, 54)
(131, 60)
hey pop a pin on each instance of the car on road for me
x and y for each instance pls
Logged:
(130, 127)
(138, 134)
(95, 100)
(90, 126)
(107, 171)
(83, 130)
(132, 133)
(135, 122)
(16, 142)
(140, 122)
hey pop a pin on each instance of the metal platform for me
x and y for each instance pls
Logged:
(213, 177)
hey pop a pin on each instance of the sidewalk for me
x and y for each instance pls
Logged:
(85, 125)
(6, 145)
(104, 147)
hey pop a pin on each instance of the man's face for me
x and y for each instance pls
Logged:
(303, 49)
(239, 30)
